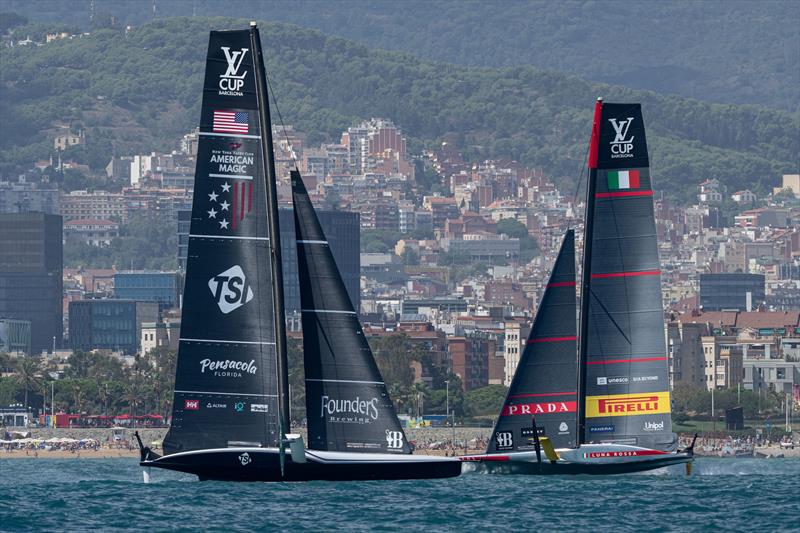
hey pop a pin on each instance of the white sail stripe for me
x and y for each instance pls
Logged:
(223, 341)
(347, 381)
(235, 237)
(235, 135)
(305, 241)
(226, 393)
(231, 176)
(328, 311)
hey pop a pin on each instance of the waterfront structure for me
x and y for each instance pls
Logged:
(109, 324)
(31, 261)
(148, 286)
(740, 292)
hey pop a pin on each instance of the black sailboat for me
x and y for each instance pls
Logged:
(231, 410)
(603, 408)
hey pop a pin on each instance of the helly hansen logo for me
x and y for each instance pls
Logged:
(627, 404)
(622, 145)
(191, 405)
(231, 82)
(230, 289)
(394, 439)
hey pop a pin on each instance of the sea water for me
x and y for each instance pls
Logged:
(108, 494)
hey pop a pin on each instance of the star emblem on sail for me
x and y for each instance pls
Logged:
(234, 200)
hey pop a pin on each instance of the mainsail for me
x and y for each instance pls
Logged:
(348, 406)
(544, 385)
(226, 381)
(623, 363)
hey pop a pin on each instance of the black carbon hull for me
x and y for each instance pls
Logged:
(264, 465)
(546, 468)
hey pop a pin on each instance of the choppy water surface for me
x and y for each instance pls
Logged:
(81, 494)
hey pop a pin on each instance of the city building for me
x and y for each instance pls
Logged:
(146, 286)
(516, 338)
(158, 335)
(26, 198)
(470, 358)
(15, 336)
(726, 292)
(31, 262)
(92, 232)
(109, 324)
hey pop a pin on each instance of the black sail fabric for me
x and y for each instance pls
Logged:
(348, 406)
(544, 384)
(624, 372)
(225, 384)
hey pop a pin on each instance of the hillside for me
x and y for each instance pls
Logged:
(742, 51)
(141, 92)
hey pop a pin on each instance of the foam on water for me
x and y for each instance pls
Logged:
(83, 494)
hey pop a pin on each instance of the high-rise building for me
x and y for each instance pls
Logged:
(109, 324)
(342, 229)
(146, 286)
(31, 262)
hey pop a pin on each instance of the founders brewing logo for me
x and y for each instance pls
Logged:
(351, 411)
(394, 439)
(622, 145)
(231, 81)
(230, 289)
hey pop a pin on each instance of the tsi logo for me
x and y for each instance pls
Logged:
(504, 439)
(231, 82)
(230, 289)
(245, 459)
(621, 146)
(654, 426)
(394, 439)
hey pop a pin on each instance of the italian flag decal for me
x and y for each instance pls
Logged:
(623, 179)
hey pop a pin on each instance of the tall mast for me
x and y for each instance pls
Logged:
(273, 230)
(586, 269)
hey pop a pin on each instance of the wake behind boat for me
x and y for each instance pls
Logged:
(597, 402)
(230, 417)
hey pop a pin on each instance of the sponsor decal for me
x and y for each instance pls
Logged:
(244, 459)
(224, 121)
(231, 81)
(231, 163)
(622, 380)
(627, 404)
(627, 453)
(394, 439)
(623, 179)
(238, 407)
(602, 380)
(230, 200)
(228, 368)
(622, 145)
(653, 426)
(528, 432)
(211, 405)
(230, 289)
(563, 428)
(350, 411)
(608, 428)
(191, 405)
(259, 408)
(505, 440)
(539, 408)
(643, 379)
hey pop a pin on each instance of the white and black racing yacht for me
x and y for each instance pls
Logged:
(230, 416)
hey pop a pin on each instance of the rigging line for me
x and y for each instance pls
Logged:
(280, 117)
(580, 178)
(608, 313)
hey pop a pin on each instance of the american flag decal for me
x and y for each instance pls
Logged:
(231, 122)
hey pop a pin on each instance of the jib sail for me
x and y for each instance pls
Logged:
(623, 360)
(226, 381)
(348, 406)
(544, 385)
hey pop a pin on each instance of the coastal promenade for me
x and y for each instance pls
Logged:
(428, 441)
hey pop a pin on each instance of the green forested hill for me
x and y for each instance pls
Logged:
(140, 92)
(734, 51)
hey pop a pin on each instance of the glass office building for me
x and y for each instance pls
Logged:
(109, 324)
(741, 292)
(143, 286)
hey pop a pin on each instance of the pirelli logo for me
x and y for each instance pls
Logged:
(627, 404)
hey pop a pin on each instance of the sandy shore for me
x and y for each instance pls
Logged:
(63, 454)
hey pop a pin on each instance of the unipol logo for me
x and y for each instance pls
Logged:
(622, 145)
(504, 439)
(230, 289)
(231, 82)
(245, 459)
(394, 439)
